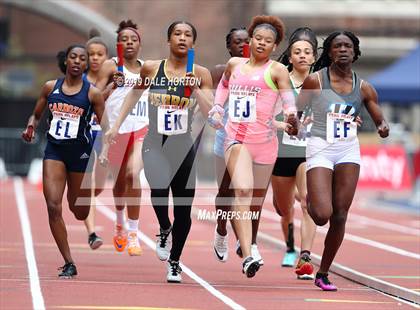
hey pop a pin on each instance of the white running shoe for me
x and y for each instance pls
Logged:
(220, 246)
(250, 266)
(174, 272)
(256, 254)
(163, 245)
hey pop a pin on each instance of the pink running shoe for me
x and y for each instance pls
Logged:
(322, 281)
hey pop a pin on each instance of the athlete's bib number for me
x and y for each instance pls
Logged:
(172, 120)
(340, 127)
(64, 125)
(301, 139)
(242, 109)
(140, 110)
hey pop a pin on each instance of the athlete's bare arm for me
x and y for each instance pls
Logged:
(203, 92)
(370, 99)
(29, 132)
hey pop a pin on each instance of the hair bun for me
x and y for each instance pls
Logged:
(94, 33)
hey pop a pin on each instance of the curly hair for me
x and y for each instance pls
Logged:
(126, 24)
(325, 60)
(271, 22)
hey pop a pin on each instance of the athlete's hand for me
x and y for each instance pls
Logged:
(359, 121)
(103, 157)
(281, 125)
(191, 81)
(307, 121)
(109, 137)
(118, 79)
(28, 134)
(383, 129)
(294, 125)
(215, 118)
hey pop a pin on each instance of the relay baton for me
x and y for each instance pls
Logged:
(245, 51)
(120, 63)
(120, 55)
(190, 63)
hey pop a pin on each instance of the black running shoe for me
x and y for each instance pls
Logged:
(95, 241)
(68, 271)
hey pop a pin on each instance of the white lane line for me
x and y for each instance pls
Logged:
(385, 225)
(379, 245)
(151, 244)
(37, 299)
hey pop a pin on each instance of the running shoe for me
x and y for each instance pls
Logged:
(322, 281)
(304, 268)
(95, 241)
(68, 271)
(220, 246)
(256, 254)
(174, 272)
(289, 259)
(163, 244)
(250, 266)
(120, 238)
(134, 248)
(238, 249)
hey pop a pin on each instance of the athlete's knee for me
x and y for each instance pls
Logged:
(132, 178)
(339, 218)
(243, 193)
(54, 210)
(81, 212)
(319, 216)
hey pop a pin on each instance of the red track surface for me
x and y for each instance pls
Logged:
(108, 280)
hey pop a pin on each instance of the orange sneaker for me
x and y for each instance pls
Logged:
(134, 248)
(120, 238)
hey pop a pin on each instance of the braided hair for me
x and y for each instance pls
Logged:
(325, 60)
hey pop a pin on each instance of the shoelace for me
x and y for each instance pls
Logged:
(163, 237)
(175, 269)
(221, 243)
(305, 258)
(132, 240)
(65, 267)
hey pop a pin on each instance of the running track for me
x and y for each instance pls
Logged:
(379, 242)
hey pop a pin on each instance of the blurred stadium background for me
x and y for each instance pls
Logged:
(32, 32)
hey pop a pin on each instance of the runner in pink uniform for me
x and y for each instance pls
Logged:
(253, 87)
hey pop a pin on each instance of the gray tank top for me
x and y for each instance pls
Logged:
(330, 101)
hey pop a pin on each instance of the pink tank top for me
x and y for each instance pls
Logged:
(252, 102)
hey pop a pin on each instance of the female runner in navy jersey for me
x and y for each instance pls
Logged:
(70, 101)
(168, 149)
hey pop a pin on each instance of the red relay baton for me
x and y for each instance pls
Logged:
(245, 51)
